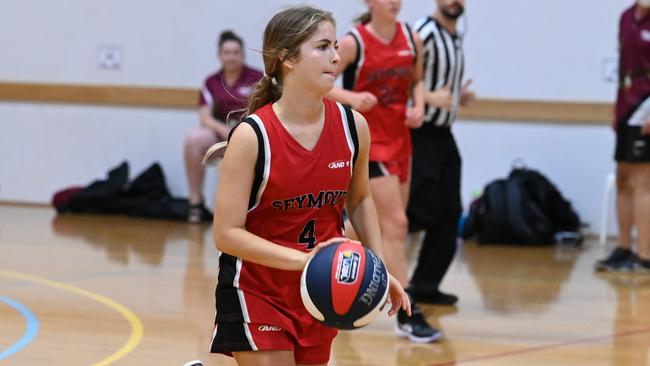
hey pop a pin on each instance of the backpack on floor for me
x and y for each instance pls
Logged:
(525, 208)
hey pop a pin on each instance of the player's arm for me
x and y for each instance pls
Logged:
(362, 101)
(208, 121)
(363, 215)
(415, 114)
(359, 204)
(231, 206)
(206, 101)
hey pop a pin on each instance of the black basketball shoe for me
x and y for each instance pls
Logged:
(415, 328)
(436, 298)
(642, 266)
(621, 260)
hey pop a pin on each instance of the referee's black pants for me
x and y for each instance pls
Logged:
(434, 204)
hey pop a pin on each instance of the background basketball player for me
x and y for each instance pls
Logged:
(381, 62)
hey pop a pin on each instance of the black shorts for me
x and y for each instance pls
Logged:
(375, 170)
(631, 145)
(401, 169)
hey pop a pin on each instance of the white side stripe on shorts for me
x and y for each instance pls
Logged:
(249, 336)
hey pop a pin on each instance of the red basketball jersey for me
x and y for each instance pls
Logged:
(296, 201)
(385, 70)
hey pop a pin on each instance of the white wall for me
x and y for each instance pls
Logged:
(534, 49)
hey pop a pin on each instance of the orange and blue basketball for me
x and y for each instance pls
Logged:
(344, 285)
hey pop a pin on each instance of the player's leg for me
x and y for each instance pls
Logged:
(318, 355)
(641, 203)
(264, 358)
(253, 344)
(624, 208)
(387, 195)
(622, 257)
(197, 142)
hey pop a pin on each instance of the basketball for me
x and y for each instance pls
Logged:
(344, 286)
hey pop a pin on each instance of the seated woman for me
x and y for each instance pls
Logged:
(222, 101)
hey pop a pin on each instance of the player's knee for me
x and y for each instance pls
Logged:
(200, 138)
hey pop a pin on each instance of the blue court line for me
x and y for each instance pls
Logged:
(30, 333)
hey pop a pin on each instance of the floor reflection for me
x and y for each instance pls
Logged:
(120, 237)
(199, 283)
(632, 316)
(519, 279)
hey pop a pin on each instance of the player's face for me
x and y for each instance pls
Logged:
(317, 59)
(451, 9)
(385, 8)
(231, 55)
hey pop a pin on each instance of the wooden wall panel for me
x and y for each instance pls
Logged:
(185, 98)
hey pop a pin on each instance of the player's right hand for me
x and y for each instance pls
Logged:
(363, 101)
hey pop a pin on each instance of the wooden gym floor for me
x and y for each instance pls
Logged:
(100, 290)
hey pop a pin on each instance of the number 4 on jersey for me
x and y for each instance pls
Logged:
(307, 236)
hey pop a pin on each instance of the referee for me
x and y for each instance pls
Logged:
(435, 204)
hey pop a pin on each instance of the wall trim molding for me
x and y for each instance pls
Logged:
(504, 110)
(540, 111)
(113, 95)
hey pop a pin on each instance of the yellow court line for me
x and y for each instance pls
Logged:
(136, 325)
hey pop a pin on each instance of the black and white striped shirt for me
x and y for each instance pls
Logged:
(444, 64)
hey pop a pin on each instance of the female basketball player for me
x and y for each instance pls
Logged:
(288, 170)
(381, 62)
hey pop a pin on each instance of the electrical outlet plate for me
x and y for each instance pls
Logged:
(109, 57)
(610, 69)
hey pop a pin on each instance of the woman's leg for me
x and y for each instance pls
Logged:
(624, 204)
(264, 358)
(387, 193)
(197, 142)
(641, 203)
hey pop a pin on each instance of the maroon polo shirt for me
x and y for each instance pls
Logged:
(223, 99)
(634, 62)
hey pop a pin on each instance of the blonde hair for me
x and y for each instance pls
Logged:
(283, 35)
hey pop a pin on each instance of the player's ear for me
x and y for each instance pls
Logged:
(287, 62)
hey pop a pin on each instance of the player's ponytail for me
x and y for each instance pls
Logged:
(363, 18)
(266, 91)
(284, 34)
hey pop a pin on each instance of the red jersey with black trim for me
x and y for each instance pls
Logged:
(297, 201)
(385, 70)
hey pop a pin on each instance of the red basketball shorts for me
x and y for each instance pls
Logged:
(241, 337)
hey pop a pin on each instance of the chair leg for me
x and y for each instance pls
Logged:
(608, 192)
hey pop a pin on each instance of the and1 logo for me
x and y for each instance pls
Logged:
(269, 328)
(338, 164)
(348, 267)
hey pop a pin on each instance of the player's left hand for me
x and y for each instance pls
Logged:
(414, 117)
(398, 297)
